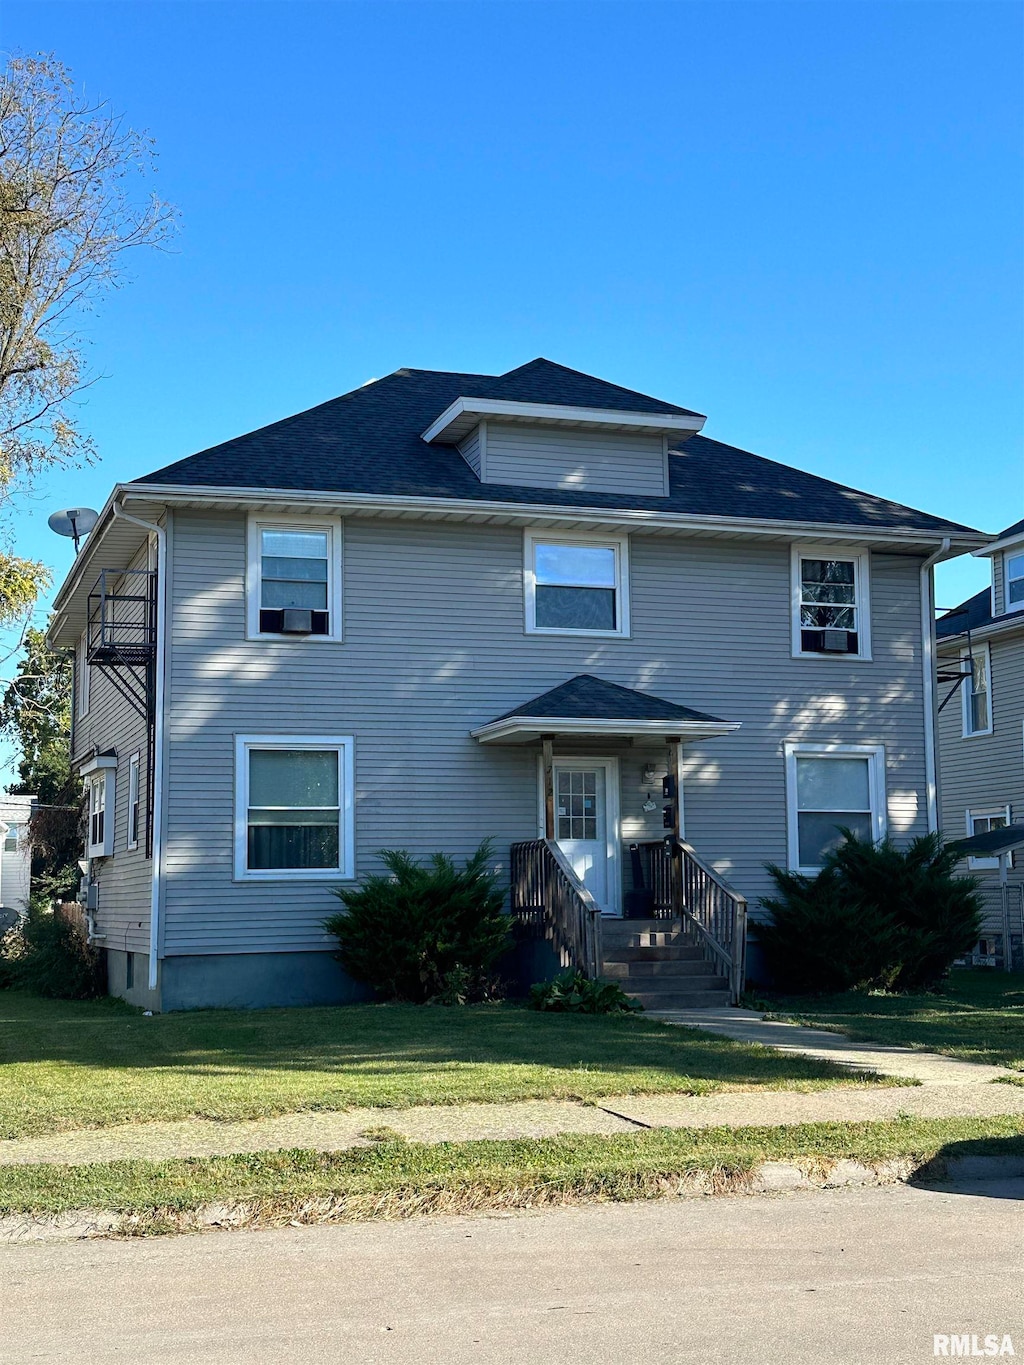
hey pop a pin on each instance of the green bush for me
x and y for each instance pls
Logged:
(49, 956)
(424, 933)
(573, 993)
(874, 916)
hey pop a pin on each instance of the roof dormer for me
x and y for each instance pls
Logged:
(553, 445)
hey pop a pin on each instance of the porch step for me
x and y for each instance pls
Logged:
(673, 985)
(644, 967)
(681, 1000)
(685, 951)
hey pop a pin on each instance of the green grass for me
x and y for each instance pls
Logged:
(398, 1179)
(66, 1065)
(978, 1016)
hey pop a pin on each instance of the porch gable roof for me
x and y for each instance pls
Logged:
(586, 705)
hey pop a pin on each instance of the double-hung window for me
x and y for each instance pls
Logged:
(99, 787)
(293, 807)
(832, 787)
(11, 839)
(977, 691)
(134, 764)
(576, 586)
(831, 614)
(294, 583)
(981, 822)
(1014, 582)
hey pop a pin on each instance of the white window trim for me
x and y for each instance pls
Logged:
(134, 798)
(345, 745)
(7, 826)
(875, 753)
(101, 771)
(333, 527)
(862, 590)
(986, 864)
(83, 676)
(620, 544)
(967, 693)
(1006, 557)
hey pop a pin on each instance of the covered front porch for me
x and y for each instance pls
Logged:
(610, 845)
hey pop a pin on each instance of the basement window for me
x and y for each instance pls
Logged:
(294, 580)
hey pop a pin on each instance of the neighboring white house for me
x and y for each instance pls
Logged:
(16, 858)
(535, 607)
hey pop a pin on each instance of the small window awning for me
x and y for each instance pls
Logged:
(992, 843)
(586, 705)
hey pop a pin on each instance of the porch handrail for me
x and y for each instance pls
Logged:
(550, 898)
(705, 901)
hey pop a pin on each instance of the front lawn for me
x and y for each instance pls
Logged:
(978, 1016)
(399, 1179)
(66, 1065)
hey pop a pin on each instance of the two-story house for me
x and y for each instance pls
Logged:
(534, 607)
(981, 741)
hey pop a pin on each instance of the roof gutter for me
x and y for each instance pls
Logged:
(625, 517)
(930, 689)
(157, 775)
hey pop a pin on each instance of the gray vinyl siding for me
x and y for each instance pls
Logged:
(471, 448)
(123, 880)
(998, 584)
(980, 772)
(606, 462)
(435, 646)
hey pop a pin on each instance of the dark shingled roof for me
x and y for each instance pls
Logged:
(973, 614)
(369, 441)
(993, 841)
(588, 698)
(1013, 530)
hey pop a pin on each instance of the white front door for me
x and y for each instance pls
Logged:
(586, 825)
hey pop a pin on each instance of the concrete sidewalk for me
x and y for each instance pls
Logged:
(947, 1088)
(749, 1026)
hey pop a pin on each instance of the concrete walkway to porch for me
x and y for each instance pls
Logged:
(749, 1026)
(946, 1088)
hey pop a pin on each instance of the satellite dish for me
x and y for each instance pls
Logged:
(75, 522)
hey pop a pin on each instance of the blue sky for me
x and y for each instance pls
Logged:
(801, 219)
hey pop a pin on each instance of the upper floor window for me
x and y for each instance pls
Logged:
(977, 691)
(293, 807)
(134, 766)
(831, 613)
(294, 581)
(981, 822)
(832, 787)
(11, 839)
(1014, 581)
(576, 586)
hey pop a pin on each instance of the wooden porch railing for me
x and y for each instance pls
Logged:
(551, 902)
(684, 886)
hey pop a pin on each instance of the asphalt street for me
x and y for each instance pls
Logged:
(844, 1276)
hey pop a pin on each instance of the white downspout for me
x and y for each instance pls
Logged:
(928, 666)
(157, 775)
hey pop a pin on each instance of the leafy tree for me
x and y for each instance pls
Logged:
(69, 210)
(35, 715)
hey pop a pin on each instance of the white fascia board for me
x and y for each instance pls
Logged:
(96, 764)
(524, 728)
(488, 509)
(994, 546)
(470, 410)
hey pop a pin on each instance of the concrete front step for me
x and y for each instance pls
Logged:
(681, 1000)
(634, 968)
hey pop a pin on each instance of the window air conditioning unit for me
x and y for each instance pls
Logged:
(835, 641)
(297, 621)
